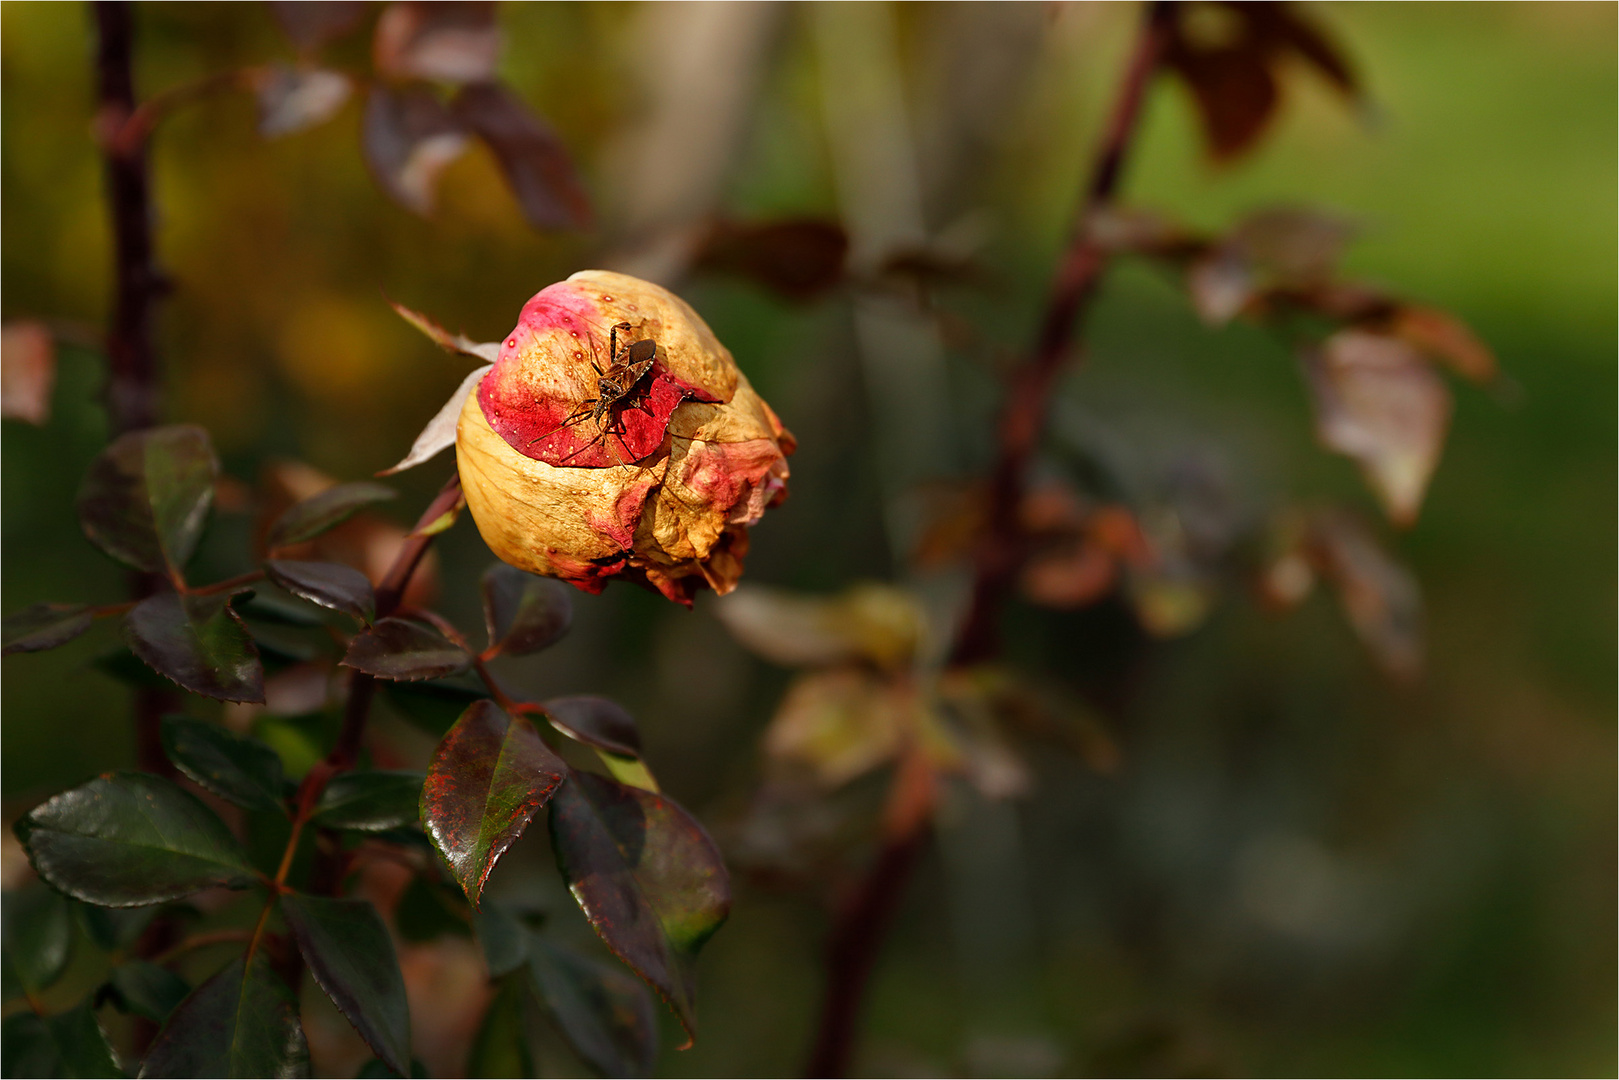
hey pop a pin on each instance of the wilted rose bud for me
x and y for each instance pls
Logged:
(647, 463)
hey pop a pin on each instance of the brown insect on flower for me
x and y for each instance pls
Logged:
(612, 436)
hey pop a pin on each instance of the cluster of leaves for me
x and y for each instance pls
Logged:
(870, 699)
(431, 91)
(645, 873)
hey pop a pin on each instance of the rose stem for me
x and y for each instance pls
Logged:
(133, 387)
(862, 923)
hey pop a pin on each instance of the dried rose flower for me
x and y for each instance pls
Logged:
(581, 465)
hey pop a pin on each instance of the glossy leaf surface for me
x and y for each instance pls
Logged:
(43, 626)
(327, 510)
(331, 585)
(524, 612)
(487, 779)
(371, 801)
(245, 771)
(352, 958)
(242, 1023)
(145, 498)
(595, 721)
(402, 649)
(128, 839)
(647, 876)
(198, 642)
(604, 1013)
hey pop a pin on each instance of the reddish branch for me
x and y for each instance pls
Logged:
(133, 390)
(863, 921)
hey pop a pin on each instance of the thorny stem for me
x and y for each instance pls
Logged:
(132, 378)
(863, 921)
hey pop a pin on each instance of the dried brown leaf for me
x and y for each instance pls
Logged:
(293, 99)
(1380, 597)
(450, 42)
(1446, 338)
(837, 725)
(1378, 401)
(409, 139)
(877, 624)
(27, 371)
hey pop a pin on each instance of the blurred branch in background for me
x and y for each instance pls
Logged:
(863, 918)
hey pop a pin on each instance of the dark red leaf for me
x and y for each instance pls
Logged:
(647, 876)
(352, 958)
(397, 648)
(596, 721)
(488, 778)
(333, 585)
(409, 138)
(146, 496)
(536, 164)
(243, 1022)
(523, 612)
(450, 42)
(200, 643)
(43, 626)
(312, 24)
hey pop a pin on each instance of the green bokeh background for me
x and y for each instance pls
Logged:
(1458, 834)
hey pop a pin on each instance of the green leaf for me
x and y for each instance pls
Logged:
(128, 839)
(245, 771)
(333, 585)
(43, 626)
(370, 801)
(604, 1013)
(68, 1044)
(647, 876)
(428, 910)
(523, 612)
(111, 929)
(401, 649)
(503, 939)
(486, 781)
(38, 936)
(324, 511)
(500, 1048)
(352, 958)
(145, 989)
(27, 1049)
(146, 497)
(243, 1022)
(200, 643)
